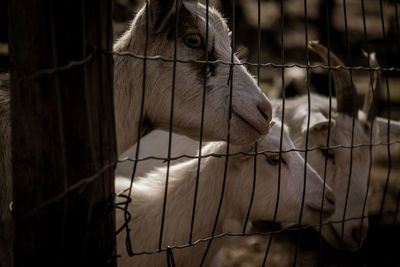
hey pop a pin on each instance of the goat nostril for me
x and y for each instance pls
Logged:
(331, 201)
(330, 198)
(265, 110)
(329, 204)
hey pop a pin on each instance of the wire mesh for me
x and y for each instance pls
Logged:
(281, 66)
(262, 64)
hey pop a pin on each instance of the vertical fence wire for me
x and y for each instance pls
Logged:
(203, 104)
(328, 137)
(368, 54)
(170, 123)
(253, 189)
(274, 220)
(307, 131)
(388, 104)
(127, 216)
(354, 115)
(228, 134)
(170, 258)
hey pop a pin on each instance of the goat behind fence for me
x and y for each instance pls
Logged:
(176, 68)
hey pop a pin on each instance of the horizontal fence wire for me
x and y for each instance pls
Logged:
(269, 64)
(79, 186)
(323, 148)
(32, 75)
(55, 70)
(267, 233)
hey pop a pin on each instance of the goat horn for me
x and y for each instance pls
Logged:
(372, 98)
(346, 92)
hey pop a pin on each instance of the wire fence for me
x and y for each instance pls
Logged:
(282, 66)
(130, 249)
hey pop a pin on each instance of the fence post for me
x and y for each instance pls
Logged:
(63, 142)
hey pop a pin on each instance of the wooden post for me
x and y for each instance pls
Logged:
(3, 38)
(3, 21)
(63, 142)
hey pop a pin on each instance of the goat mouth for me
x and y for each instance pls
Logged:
(339, 242)
(249, 123)
(317, 212)
(324, 213)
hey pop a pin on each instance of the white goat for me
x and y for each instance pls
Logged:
(155, 145)
(338, 166)
(251, 110)
(147, 199)
(340, 159)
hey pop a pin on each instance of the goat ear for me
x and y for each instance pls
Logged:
(322, 126)
(383, 129)
(160, 12)
(318, 123)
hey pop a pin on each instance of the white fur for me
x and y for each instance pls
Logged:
(352, 144)
(148, 192)
(156, 144)
(251, 110)
(338, 167)
(383, 130)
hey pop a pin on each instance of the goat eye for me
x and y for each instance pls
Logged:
(273, 159)
(330, 155)
(192, 40)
